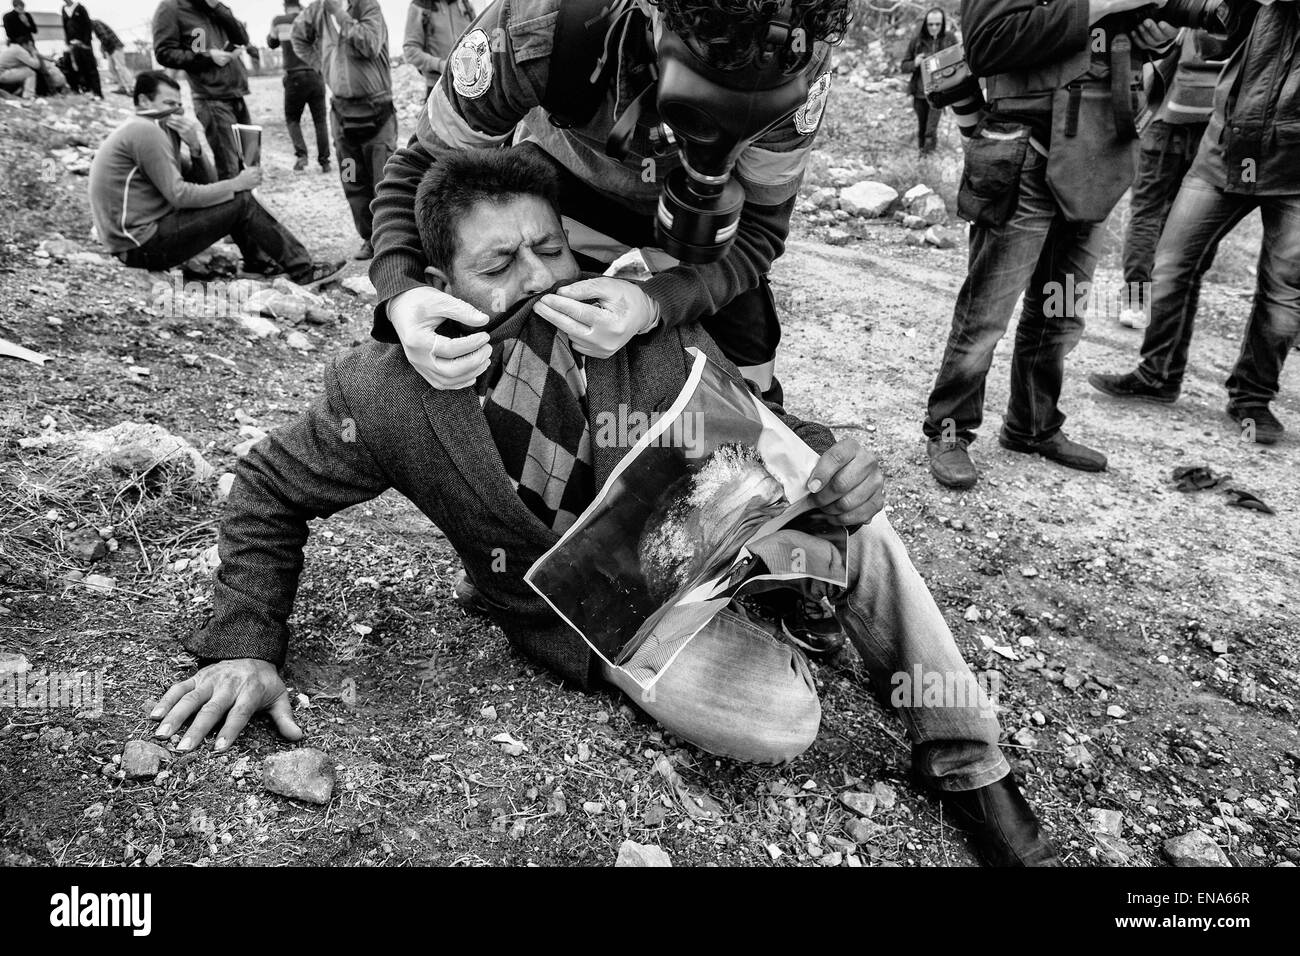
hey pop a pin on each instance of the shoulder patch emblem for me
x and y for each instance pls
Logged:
(809, 116)
(471, 65)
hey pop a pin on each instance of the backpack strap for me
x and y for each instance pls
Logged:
(581, 68)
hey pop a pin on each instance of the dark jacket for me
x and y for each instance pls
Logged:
(353, 56)
(77, 27)
(1252, 144)
(178, 24)
(1027, 49)
(432, 29)
(284, 24)
(924, 45)
(109, 41)
(20, 28)
(504, 63)
(379, 425)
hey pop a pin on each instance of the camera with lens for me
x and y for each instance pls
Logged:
(1198, 14)
(946, 80)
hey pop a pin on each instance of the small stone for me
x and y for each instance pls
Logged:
(1219, 646)
(1106, 821)
(1029, 572)
(1195, 848)
(1113, 850)
(239, 768)
(99, 583)
(1116, 711)
(224, 484)
(258, 327)
(631, 853)
(773, 851)
(834, 858)
(303, 774)
(155, 856)
(1077, 756)
(838, 237)
(13, 664)
(593, 808)
(517, 830)
(488, 713)
(863, 804)
(913, 222)
(556, 803)
(142, 758)
(584, 752)
(973, 614)
(86, 545)
(863, 831)
(1025, 738)
(885, 795)
(297, 340)
(940, 238)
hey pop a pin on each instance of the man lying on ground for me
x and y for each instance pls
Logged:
(156, 205)
(506, 466)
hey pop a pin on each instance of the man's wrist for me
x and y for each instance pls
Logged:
(655, 316)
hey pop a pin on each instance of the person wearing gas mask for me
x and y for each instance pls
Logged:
(1054, 153)
(1249, 159)
(677, 127)
(505, 467)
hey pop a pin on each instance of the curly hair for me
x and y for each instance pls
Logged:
(733, 30)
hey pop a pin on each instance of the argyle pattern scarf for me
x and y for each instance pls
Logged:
(535, 405)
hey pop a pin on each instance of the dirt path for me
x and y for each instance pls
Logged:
(1098, 592)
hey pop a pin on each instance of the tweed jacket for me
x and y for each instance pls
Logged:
(378, 425)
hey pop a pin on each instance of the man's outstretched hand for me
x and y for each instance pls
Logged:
(229, 691)
(847, 484)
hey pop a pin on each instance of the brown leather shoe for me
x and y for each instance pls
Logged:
(950, 463)
(1059, 449)
(1002, 828)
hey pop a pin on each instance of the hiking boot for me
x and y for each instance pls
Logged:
(1257, 421)
(367, 251)
(1129, 385)
(300, 164)
(319, 272)
(950, 463)
(1002, 827)
(262, 270)
(1059, 449)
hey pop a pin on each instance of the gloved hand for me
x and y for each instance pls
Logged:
(620, 310)
(443, 361)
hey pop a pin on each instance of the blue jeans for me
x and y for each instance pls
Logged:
(740, 690)
(1035, 251)
(1167, 153)
(1202, 215)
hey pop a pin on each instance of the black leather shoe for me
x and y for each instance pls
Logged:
(1002, 828)
(1059, 449)
(1259, 421)
(1129, 385)
(950, 463)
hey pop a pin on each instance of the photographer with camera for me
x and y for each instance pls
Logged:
(932, 35)
(1054, 152)
(678, 127)
(1249, 159)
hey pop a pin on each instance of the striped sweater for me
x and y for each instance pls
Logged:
(136, 179)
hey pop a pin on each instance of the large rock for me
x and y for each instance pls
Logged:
(142, 759)
(214, 262)
(631, 853)
(867, 199)
(304, 774)
(1196, 848)
(129, 447)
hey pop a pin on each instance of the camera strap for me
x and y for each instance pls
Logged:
(1121, 85)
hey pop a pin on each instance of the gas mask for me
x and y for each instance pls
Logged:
(712, 112)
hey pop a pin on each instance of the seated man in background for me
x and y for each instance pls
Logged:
(505, 467)
(19, 67)
(156, 205)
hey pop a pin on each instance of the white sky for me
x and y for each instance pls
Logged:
(131, 18)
